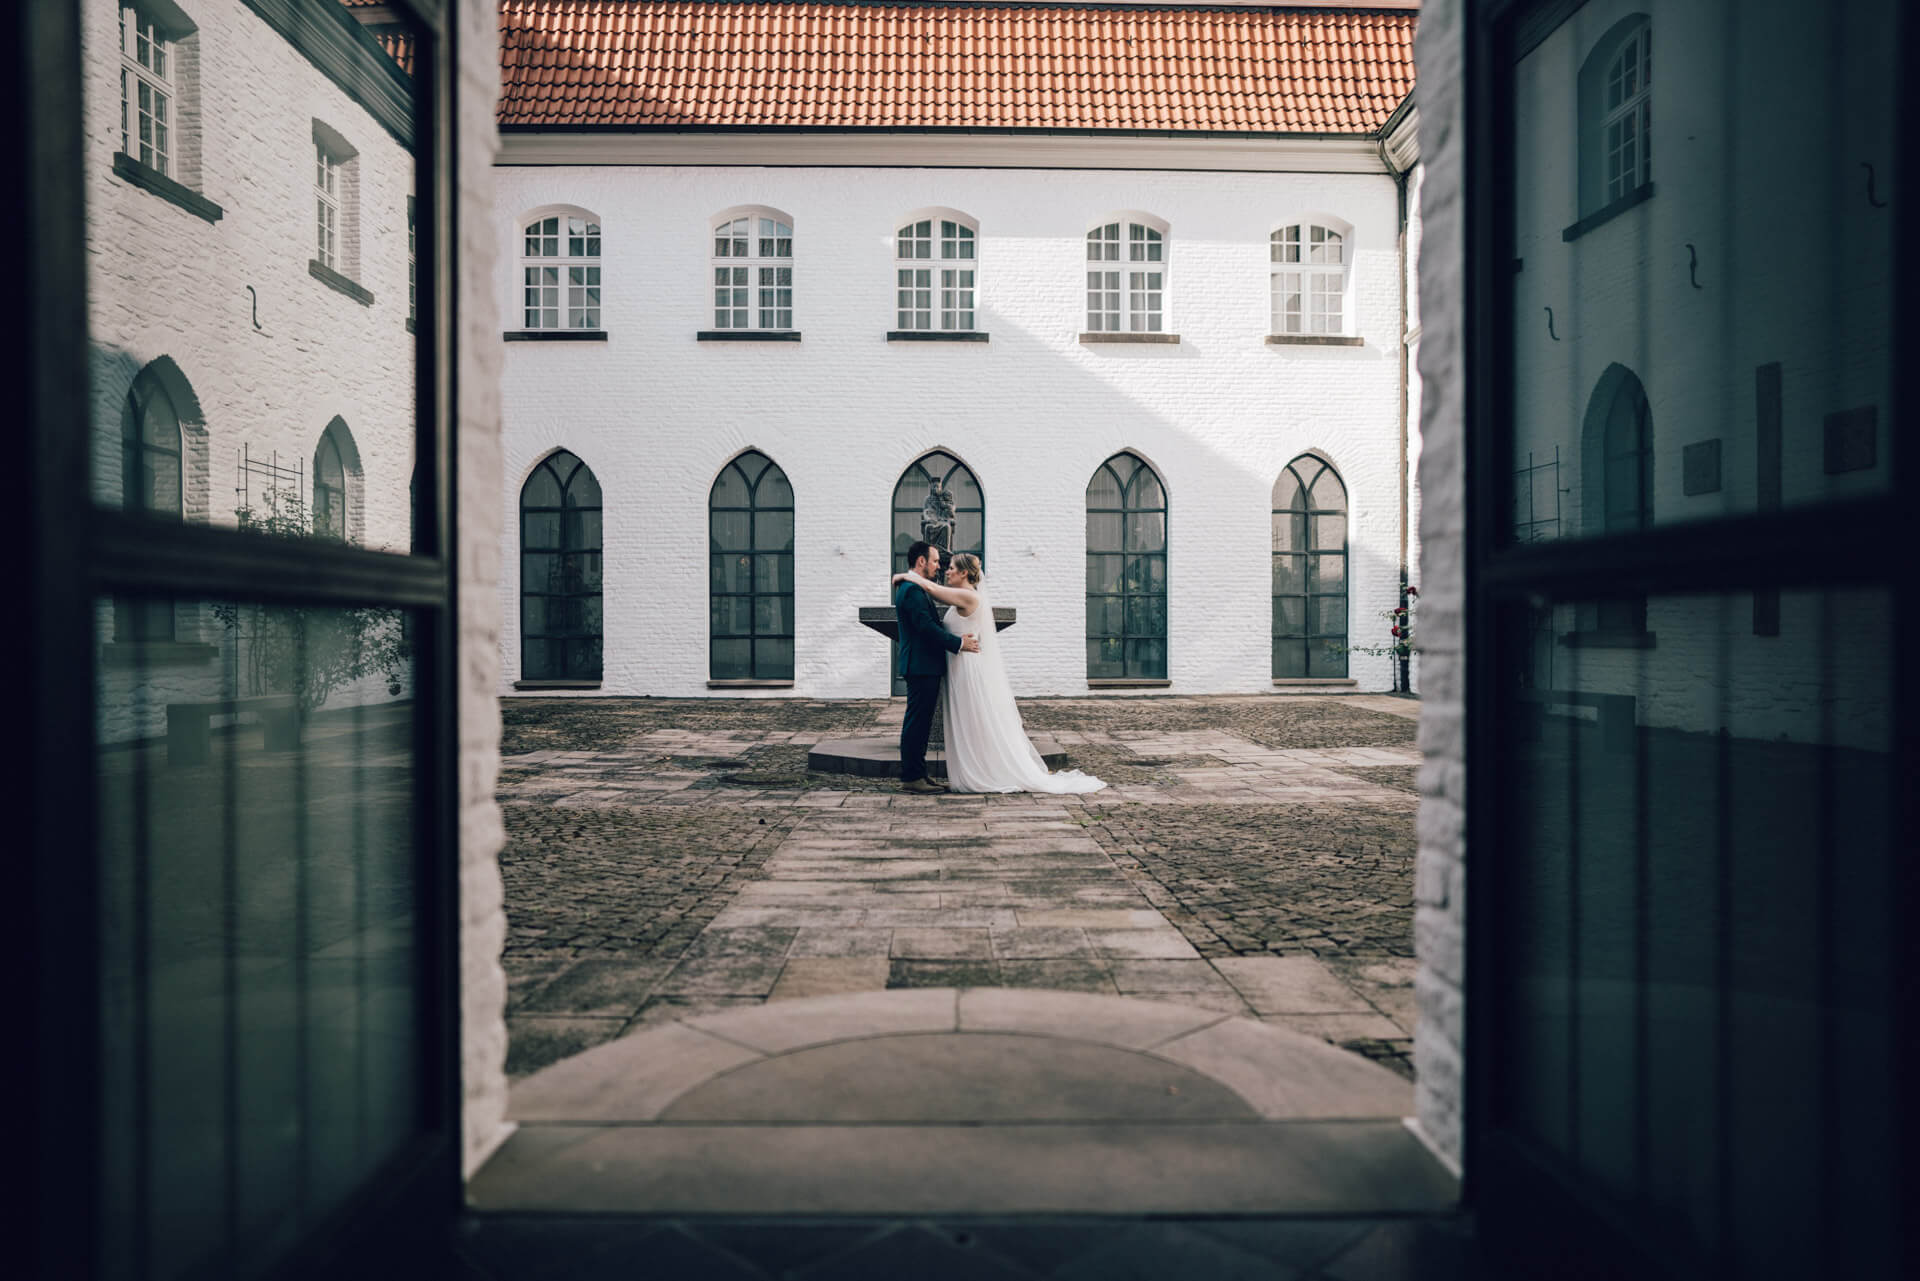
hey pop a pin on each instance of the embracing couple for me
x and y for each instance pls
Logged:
(956, 663)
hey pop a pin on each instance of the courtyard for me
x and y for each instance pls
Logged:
(670, 859)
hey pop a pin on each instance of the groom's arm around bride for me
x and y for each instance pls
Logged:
(924, 646)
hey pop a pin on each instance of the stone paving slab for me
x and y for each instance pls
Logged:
(685, 864)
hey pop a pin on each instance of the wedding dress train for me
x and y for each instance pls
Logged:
(987, 746)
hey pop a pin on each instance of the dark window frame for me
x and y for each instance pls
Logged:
(766, 470)
(1131, 557)
(566, 670)
(1309, 556)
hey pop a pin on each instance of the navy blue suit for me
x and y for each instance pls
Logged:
(924, 646)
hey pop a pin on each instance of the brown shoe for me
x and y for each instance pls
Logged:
(939, 783)
(921, 787)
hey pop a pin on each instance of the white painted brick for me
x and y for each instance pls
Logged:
(1033, 412)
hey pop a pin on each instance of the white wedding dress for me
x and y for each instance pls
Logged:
(987, 746)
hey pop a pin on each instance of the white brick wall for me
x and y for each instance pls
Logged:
(1440, 870)
(168, 284)
(1033, 412)
(483, 921)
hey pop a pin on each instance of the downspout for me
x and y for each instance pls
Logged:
(1403, 676)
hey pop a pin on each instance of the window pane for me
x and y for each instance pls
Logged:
(731, 531)
(256, 866)
(1103, 573)
(773, 531)
(773, 573)
(1103, 530)
(732, 660)
(732, 573)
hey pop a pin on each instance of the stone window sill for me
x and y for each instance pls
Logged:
(1607, 213)
(338, 283)
(555, 335)
(1128, 683)
(556, 684)
(1608, 640)
(146, 176)
(749, 684)
(1315, 340)
(747, 335)
(1128, 337)
(1322, 681)
(936, 335)
(156, 654)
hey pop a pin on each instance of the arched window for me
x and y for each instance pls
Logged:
(1616, 491)
(1616, 115)
(1130, 293)
(1309, 279)
(560, 602)
(1309, 570)
(151, 484)
(910, 493)
(329, 489)
(560, 271)
(753, 270)
(750, 544)
(934, 273)
(1126, 572)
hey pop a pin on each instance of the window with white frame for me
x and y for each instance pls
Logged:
(753, 271)
(1309, 273)
(1628, 106)
(1130, 294)
(939, 294)
(326, 196)
(560, 272)
(147, 88)
(336, 202)
(413, 270)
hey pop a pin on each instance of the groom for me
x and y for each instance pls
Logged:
(924, 646)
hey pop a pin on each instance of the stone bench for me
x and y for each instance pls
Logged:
(1613, 712)
(190, 725)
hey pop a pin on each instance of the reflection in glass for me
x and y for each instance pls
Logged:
(262, 1040)
(560, 565)
(1126, 567)
(214, 370)
(750, 545)
(1309, 571)
(1665, 365)
(1696, 1010)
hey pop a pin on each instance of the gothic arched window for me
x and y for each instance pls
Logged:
(1616, 490)
(1309, 571)
(330, 486)
(750, 545)
(151, 484)
(560, 602)
(910, 499)
(1126, 572)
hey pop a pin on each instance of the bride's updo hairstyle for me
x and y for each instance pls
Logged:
(969, 564)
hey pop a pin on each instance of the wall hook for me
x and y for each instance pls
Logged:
(1872, 199)
(1550, 333)
(256, 306)
(1693, 266)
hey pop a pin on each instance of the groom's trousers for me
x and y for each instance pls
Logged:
(923, 695)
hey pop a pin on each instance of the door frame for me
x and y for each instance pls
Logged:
(74, 553)
(1530, 1215)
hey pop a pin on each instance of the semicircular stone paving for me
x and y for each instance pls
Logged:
(940, 1054)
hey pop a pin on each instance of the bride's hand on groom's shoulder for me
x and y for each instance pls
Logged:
(901, 578)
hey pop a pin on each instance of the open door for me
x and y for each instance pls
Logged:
(1691, 750)
(234, 779)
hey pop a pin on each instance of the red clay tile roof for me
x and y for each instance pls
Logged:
(764, 63)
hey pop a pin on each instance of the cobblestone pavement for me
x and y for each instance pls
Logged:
(1253, 855)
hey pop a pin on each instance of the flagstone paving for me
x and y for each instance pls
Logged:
(1253, 856)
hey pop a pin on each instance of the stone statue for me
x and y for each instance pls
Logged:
(936, 517)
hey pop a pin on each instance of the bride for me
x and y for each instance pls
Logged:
(987, 746)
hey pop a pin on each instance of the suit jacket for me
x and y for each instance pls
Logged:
(924, 643)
